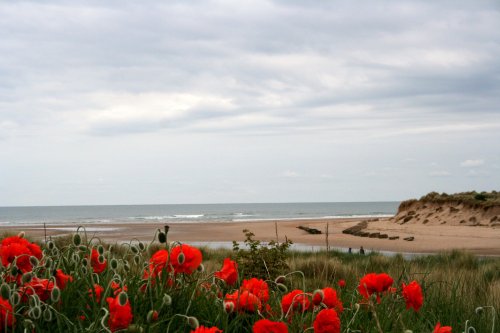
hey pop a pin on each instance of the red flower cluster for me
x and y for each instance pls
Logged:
(268, 326)
(412, 294)
(192, 259)
(203, 329)
(120, 317)
(228, 272)
(41, 287)
(295, 299)
(97, 292)
(62, 279)
(327, 321)
(94, 262)
(341, 283)
(257, 287)
(252, 295)
(17, 247)
(157, 264)
(374, 284)
(6, 317)
(441, 329)
(329, 298)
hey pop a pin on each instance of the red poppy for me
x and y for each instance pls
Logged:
(341, 283)
(157, 264)
(268, 326)
(298, 299)
(441, 329)
(412, 294)
(6, 317)
(257, 287)
(120, 316)
(117, 288)
(203, 329)
(17, 247)
(374, 284)
(62, 279)
(243, 301)
(94, 262)
(41, 287)
(329, 299)
(192, 259)
(327, 321)
(96, 292)
(228, 272)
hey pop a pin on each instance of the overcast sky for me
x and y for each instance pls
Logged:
(137, 102)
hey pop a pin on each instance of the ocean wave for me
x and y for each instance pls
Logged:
(352, 216)
(168, 217)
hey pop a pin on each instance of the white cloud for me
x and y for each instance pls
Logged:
(290, 174)
(471, 163)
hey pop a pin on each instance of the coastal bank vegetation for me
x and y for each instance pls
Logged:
(465, 208)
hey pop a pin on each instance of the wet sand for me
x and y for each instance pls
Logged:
(428, 238)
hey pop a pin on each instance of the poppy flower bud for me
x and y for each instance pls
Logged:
(280, 279)
(34, 261)
(137, 259)
(282, 287)
(77, 239)
(479, 310)
(47, 314)
(318, 293)
(126, 266)
(21, 234)
(48, 262)
(15, 298)
(84, 270)
(26, 277)
(122, 298)
(75, 258)
(113, 263)
(50, 245)
(201, 268)
(5, 291)
(141, 246)
(85, 262)
(101, 259)
(100, 249)
(228, 307)
(55, 294)
(34, 301)
(152, 316)
(14, 270)
(181, 258)
(134, 249)
(162, 237)
(193, 322)
(35, 312)
(167, 300)
(357, 306)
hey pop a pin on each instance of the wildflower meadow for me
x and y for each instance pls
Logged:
(78, 284)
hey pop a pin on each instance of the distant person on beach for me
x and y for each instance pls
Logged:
(350, 250)
(361, 250)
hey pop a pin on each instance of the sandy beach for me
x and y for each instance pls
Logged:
(427, 238)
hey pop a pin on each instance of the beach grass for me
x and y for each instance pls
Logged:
(459, 289)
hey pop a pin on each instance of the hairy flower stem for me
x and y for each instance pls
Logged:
(372, 308)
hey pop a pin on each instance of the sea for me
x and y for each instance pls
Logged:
(182, 213)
